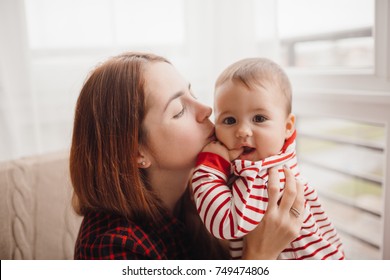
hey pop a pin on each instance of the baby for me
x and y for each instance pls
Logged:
(256, 130)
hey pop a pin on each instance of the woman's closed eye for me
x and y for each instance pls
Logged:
(180, 114)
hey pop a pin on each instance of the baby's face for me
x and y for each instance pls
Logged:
(253, 119)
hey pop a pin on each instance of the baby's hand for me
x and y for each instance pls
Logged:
(217, 148)
(234, 154)
(220, 149)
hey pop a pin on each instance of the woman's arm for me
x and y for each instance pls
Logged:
(279, 225)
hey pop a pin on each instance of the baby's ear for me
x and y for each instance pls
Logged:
(290, 125)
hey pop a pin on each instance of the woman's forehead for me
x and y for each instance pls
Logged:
(162, 81)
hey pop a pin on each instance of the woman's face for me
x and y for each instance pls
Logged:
(177, 126)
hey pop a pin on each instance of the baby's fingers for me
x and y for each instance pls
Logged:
(234, 154)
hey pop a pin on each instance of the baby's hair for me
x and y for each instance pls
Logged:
(258, 71)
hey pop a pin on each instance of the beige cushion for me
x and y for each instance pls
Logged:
(36, 217)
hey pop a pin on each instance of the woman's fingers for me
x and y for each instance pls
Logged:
(280, 225)
(292, 202)
(273, 188)
(299, 203)
(290, 191)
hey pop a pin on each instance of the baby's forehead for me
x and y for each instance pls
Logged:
(262, 90)
(258, 85)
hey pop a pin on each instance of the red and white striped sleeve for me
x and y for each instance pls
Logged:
(228, 212)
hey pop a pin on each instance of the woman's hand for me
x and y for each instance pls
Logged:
(280, 225)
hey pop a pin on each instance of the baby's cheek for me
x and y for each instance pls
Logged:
(220, 133)
(224, 136)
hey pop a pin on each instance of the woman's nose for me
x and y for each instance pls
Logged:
(204, 112)
(243, 131)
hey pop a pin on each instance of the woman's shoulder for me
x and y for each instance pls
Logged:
(109, 236)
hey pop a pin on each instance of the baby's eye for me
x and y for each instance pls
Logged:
(229, 120)
(259, 118)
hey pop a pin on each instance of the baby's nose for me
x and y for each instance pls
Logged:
(244, 131)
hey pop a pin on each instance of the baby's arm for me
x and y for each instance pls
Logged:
(222, 208)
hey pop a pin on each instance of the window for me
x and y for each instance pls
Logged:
(104, 23)
(329, 33)
(337, 58)
(345, 159)
(344, 153)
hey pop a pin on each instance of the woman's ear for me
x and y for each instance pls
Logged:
(290, 125)
(143, 160)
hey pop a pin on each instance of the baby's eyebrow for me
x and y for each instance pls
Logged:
(224, 113)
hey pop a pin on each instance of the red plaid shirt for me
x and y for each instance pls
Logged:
(109, 236)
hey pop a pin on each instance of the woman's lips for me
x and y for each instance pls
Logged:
(211, 136)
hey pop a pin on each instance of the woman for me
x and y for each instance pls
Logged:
(137, 131)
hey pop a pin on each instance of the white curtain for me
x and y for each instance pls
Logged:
(17, 125)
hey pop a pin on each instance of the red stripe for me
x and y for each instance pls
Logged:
(246, 218)
(311, 200)
(314, 253)
(322, 220)
(333, 236)
(305, 235)
(264, 176)
(215, 181)
(242, 230)
(215, 214)
(255, 209)
(259, 187)
(207, 194)
(289, 141)
(211, 202)
(205, 171)
(231, 220)
(308, 227)
(324, 226)
(265, 163)
(307, 194)
(330, 254)
(302, 247)
(259, 198)
(237, 189)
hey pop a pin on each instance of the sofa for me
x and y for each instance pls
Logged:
(36, 217)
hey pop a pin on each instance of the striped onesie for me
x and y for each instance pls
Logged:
(232, 198)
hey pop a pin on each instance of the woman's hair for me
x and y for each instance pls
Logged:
(258, 71)
(106, 138)
(107, 134)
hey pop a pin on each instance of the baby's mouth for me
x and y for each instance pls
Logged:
(247, 150)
